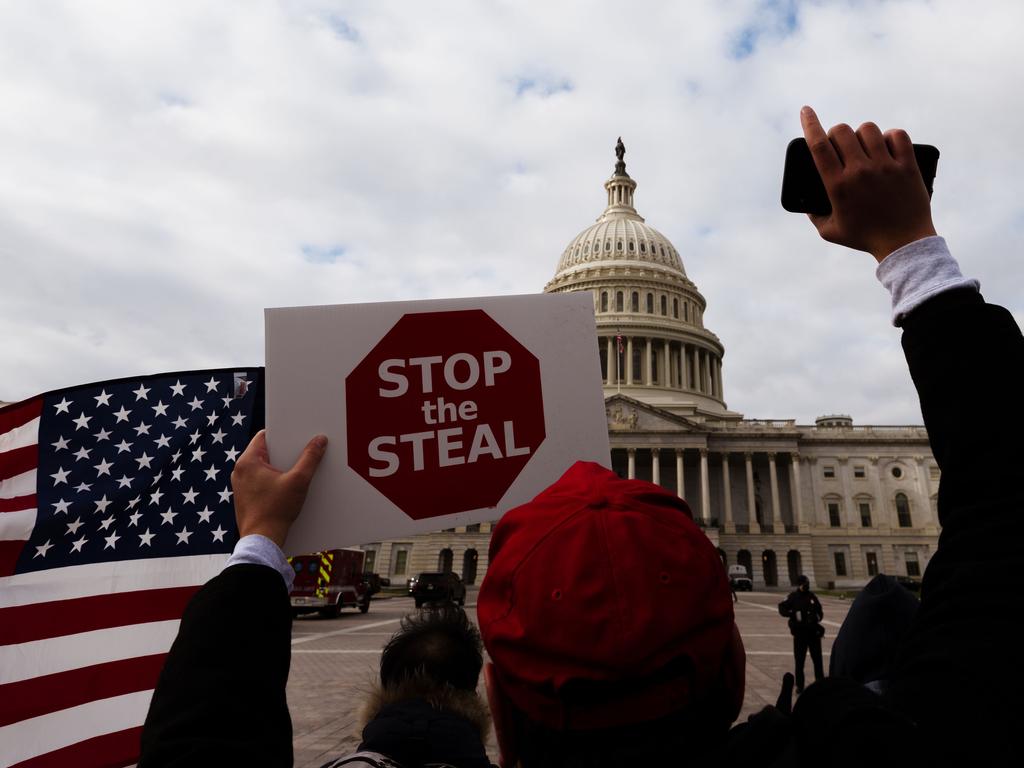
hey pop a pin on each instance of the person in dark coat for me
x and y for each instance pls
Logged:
(803, 609)
(220, 699)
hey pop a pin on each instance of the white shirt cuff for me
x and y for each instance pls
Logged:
(917, 272)
(259, 550)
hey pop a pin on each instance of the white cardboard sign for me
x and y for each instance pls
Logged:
(439, 413)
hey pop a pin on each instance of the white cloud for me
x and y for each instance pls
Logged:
(171, 169)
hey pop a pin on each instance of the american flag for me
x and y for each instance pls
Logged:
(115, 506)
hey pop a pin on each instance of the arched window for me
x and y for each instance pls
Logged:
(686, 311)
(635, 303)
(618, 301)
(618, 245)
(794, 562)
(632, 246)
(607, 245)
(650, 303)
(643, 247)
(770, 568)
(675, 308)
(903, 510)
(444, 560)
(604, 301)
(743, 558)
(469, 560)
(664, 305)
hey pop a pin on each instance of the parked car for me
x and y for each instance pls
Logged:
(329, 581)
(372, 581)
(739, 579)
(436, 587)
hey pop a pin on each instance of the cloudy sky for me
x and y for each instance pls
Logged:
(167, 170)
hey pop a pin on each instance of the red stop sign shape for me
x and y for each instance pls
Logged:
(444, 413)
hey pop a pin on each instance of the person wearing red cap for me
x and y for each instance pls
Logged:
(608, 619)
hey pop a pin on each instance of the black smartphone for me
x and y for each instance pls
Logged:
(803, 192)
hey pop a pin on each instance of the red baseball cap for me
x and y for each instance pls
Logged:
(604, 604)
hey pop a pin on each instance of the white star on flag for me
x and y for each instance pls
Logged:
(102, 398)
(111, 540)
(146, 538)
(122, 415)
(178, 388)
(183, 535)
(168, 517)
(160, 409)
(42, 549)
(63, 405)
(73, 527)
(211, 385)
(218, 533)
(142, 393)
(82, 421)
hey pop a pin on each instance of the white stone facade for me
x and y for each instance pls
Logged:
(836, 501)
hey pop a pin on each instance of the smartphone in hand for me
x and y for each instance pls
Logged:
(803, 191)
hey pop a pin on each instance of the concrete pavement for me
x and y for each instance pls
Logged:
(334, 662)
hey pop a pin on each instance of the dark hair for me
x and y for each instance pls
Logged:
(439, 643)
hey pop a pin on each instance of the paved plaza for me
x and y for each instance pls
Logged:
(334, 661)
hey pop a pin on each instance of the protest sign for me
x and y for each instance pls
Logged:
(439, 413)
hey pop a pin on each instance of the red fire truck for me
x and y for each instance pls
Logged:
(329, 581)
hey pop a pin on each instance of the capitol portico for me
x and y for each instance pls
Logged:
(836, 501)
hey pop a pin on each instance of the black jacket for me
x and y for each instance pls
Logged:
(955, 675)
(804, 612)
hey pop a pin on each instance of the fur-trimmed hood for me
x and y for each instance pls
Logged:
(417, 722)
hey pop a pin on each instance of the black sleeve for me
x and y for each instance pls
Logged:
(956, 671)
(221, 699)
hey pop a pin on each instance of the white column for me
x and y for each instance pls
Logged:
(776, 509)
(705, 497)
(755, 527)
(684, 382)
(648, 355)
(730, 527)
(680, 480)
(631, 463)
(794, 481)
(666, 370)
(655, 467)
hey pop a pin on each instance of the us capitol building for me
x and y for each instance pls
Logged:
(836, 501)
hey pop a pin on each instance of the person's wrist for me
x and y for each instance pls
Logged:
(276, 532)
(884, 246)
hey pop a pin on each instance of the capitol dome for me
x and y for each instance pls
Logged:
(650, 316)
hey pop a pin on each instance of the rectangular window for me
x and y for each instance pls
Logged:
(833, 514)
(401, 559)
(913, 566)
(872, 559)
(370, 560)
(473, 528)
(840, 563)
(829, 472)
(865, 514)
(859, 473)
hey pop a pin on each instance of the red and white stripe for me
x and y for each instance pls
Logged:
(81, 647)
(80, 652)
(19, 457)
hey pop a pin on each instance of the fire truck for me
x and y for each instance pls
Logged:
(329, 581)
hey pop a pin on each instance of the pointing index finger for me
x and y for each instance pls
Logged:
(824, 154)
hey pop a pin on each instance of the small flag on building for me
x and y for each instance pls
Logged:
(115, 507)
